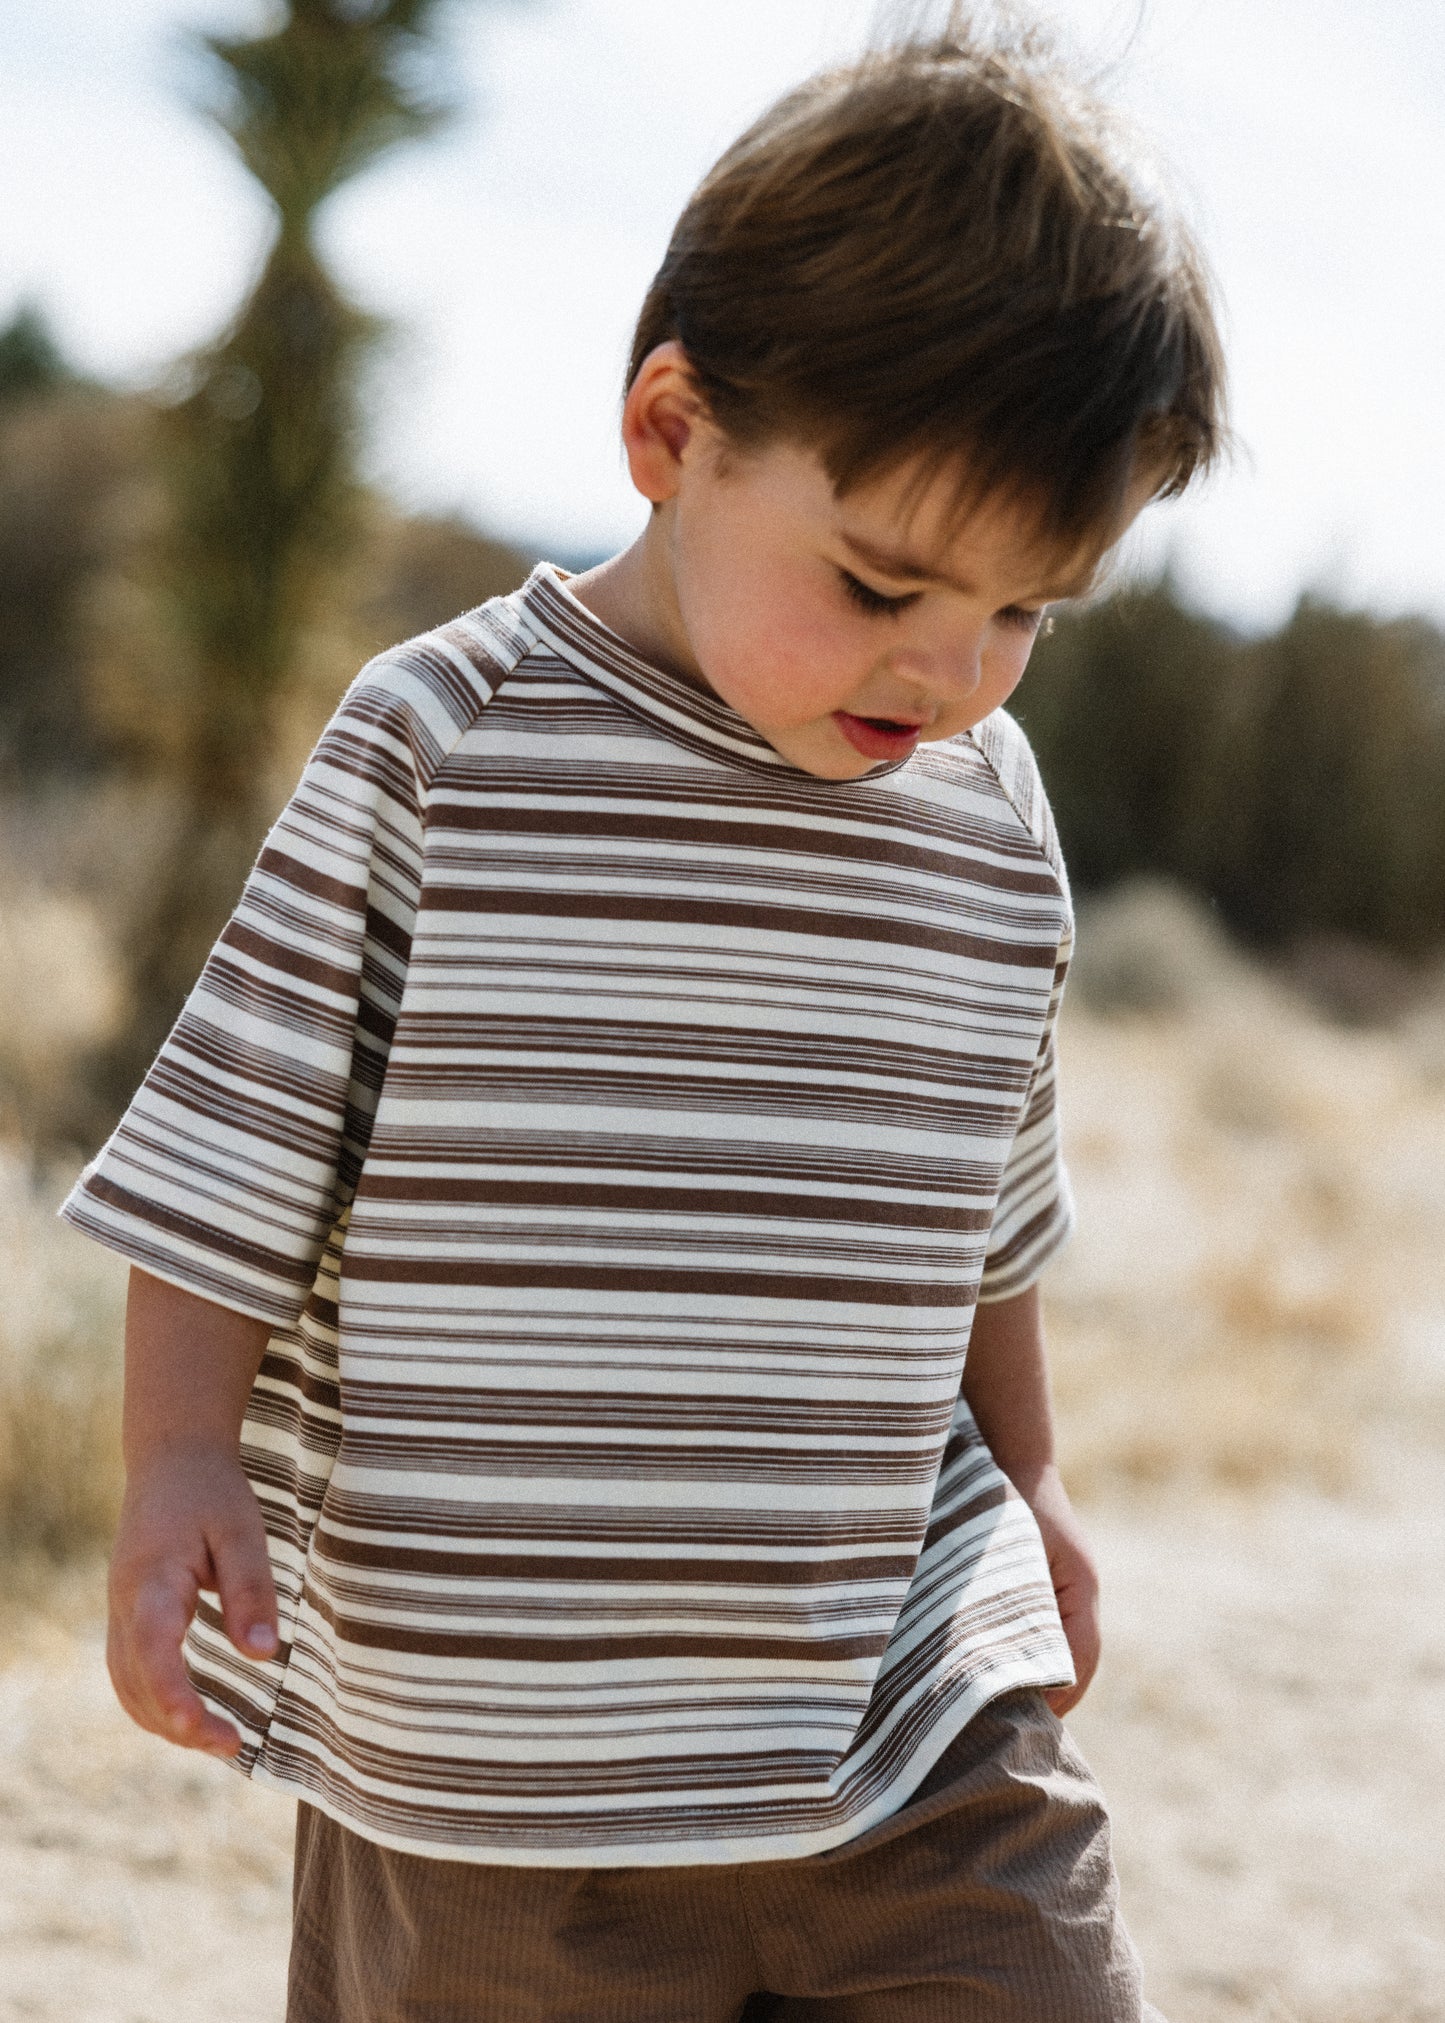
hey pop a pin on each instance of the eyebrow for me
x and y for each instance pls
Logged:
(898, 562)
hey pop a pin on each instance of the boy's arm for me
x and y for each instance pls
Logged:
(190, 1519)
(1006, 1387)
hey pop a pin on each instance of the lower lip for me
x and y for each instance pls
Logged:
(866, 737)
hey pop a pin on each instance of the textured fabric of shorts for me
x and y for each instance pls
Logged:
(990, 1897)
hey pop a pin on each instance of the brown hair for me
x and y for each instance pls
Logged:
(941, 252)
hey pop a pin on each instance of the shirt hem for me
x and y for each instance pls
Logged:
(730, 1851)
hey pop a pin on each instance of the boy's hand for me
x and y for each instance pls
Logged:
(190, 1520)
(1075, 1579)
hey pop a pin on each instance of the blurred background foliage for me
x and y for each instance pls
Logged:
(189, 576)
(1297, 780)
(255, 449)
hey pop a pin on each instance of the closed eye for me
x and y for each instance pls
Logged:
(874, 601)
(1025, 621)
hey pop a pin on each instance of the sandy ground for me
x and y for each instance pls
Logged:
(1269, 1722)
(138, 1883)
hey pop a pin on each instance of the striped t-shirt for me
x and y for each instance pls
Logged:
(618, 1123)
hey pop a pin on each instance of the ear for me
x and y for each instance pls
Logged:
(664, 421)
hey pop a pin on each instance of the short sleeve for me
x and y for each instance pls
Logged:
(245, 1140)
(1035, 1211)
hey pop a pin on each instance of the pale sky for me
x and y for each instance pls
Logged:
(1307, 137)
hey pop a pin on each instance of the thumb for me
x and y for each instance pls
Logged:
(243, 1579)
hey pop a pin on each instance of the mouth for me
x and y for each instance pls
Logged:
(879, 737)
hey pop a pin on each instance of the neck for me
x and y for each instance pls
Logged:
(635, 597)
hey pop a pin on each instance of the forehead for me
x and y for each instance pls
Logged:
(917, 523)
(930, 525)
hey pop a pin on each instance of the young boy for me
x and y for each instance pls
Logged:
(623, 1094)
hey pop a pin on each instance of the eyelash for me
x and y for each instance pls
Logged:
(874, 601)
(879, 606)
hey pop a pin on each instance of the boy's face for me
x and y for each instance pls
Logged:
(824, 621)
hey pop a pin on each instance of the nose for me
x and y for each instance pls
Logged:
(949, 671)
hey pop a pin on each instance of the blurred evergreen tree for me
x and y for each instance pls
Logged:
(258, 451)
(31, 362)
(1129, 705)
(1297, 779)
(1337, 805)
(66, 448)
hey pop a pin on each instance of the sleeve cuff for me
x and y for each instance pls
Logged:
(166, 1254)
(1021, 1261)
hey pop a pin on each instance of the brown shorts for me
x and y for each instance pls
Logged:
(990, 1897)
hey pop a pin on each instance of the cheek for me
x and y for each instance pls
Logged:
(767, 647)
(1006, 665)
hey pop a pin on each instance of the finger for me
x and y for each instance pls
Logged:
(243, 1581)
(1082, 1637)
(1079, 1615)
(1085, 1654)
(150, 1629)
(149, 1675)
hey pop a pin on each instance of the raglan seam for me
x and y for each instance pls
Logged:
(506, 674)
(1051, 859)
(483, 640)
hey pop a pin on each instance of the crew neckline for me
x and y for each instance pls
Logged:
(685, 712)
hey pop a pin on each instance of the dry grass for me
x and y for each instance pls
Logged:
(63, 994)
(60, 1364)
(1257, 1291)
